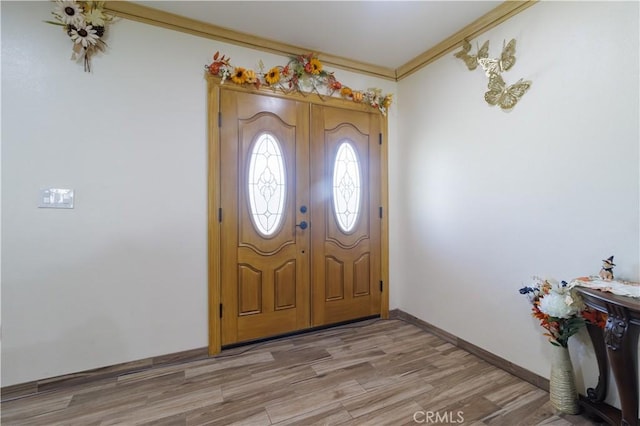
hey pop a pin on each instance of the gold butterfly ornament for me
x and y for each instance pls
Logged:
(498, 93)
(506, 61)
(506, 97)
(472, 60)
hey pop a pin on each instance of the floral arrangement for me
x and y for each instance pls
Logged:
(303, 73)
(85, 23)
(560, 310)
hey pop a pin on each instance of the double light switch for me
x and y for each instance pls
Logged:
(56, 198)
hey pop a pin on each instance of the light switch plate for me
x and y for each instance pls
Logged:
(56, 198)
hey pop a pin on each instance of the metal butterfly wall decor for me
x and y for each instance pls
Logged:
(498, 93)
(472, 60)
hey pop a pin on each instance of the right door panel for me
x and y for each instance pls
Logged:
(345, 236)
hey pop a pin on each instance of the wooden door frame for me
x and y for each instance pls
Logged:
(214, 88)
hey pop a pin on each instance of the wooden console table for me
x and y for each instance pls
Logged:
(617, 345)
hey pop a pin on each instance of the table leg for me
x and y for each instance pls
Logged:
(621, 338)
(599, 393)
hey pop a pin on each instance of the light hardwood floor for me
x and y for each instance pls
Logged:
(376, 372)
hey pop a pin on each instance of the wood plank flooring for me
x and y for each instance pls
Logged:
(376, 372)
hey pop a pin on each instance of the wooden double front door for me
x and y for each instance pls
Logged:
(300, 227)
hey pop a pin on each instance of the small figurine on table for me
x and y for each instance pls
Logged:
(606, 273)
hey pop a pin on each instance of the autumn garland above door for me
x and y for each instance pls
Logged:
(302, 74)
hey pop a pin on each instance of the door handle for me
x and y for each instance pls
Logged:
(303, 224)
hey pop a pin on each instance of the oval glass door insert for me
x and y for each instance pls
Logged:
(346, 187)
(267, 184)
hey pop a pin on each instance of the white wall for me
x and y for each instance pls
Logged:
(122, 276)
(480, 199)
(551, 188)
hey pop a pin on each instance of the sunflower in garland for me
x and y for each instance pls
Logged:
(252, 78)
(273, 76)
(239, 75)
(316, 66)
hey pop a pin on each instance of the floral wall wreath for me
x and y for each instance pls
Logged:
(85, 23)
(302, 74)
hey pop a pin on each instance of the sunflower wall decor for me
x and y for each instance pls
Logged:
(498, 93)
(302, 74)
(85, 23)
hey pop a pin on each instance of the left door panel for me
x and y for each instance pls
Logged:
(264, 151)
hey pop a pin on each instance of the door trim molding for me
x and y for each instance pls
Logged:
(214, 89)
(214, 224)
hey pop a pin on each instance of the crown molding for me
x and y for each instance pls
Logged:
(148, 15)
(489, 20)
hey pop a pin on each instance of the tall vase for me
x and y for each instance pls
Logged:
(562, 384)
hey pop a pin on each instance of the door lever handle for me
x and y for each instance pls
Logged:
(303, 224)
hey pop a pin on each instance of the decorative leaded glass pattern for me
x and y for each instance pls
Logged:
(346, 187)
(267, 184)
